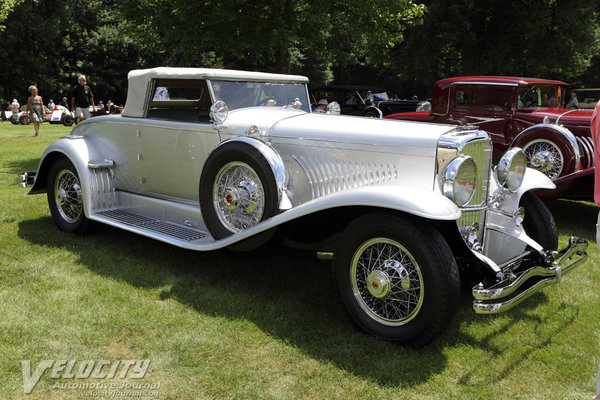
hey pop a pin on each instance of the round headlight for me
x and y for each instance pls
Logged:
(460, 179)
(219, 112)
(511, 169)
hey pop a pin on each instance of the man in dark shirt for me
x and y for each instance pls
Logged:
(81, 99)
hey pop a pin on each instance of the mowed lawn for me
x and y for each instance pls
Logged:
(222, 326)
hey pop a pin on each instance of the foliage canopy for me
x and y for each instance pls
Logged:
(400, 44)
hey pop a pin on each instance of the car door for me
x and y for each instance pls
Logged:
(178, 140)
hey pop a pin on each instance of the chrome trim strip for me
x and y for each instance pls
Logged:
(561, 115)
(583, 145)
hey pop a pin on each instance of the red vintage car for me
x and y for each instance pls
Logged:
(521, 112)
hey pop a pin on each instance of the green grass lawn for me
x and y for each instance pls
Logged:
(221, 326)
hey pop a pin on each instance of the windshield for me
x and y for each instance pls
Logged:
(539, 96)
(238, 94)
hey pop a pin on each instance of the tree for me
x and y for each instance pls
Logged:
(550, 39)
(65, 38)
(6, 7)
(277, 36)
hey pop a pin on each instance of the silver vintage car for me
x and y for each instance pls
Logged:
(206, 159)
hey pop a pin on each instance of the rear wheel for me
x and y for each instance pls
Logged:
(67, 120)
(397, 279)
(24, 120)
(65, 198)
(372, 114)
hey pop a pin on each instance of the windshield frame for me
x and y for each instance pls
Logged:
(555, 89)
(301, 93)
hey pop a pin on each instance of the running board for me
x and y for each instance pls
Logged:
(164, 231)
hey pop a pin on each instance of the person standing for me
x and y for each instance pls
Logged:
(35, 109)
(14, 107)
(573, 102)
(81, 99)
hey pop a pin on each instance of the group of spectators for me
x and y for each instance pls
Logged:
(81, 100)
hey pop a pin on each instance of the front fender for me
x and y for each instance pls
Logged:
(532, 180)
(423, 203)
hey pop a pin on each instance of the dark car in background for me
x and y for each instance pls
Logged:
(367, 101)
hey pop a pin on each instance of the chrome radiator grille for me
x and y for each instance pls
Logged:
(474, 211)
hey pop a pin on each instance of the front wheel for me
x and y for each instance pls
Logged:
(65, 198)
(398, 279)
(538, 223)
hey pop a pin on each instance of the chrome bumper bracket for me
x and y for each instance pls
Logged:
(516, 288)
(28, 178)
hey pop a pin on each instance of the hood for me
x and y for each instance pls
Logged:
(285, 124)
(564, 116)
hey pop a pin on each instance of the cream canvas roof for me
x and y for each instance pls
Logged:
(139, 81)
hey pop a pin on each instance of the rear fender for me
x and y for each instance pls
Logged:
(80, 154)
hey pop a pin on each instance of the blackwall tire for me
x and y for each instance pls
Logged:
(24, 120)
(65, 198)
(397, 279)
(237, 189)
(539, 224)
(67, 120)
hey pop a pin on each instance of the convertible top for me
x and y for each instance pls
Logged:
(139, 82)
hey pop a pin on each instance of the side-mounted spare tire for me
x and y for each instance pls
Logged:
(237, 189)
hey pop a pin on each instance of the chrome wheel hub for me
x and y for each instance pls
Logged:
(543, 161)
(387, 282)
(238, 196)
(230, 199)
(378, 284)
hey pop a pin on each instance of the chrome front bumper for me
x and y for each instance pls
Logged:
(509, 292)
